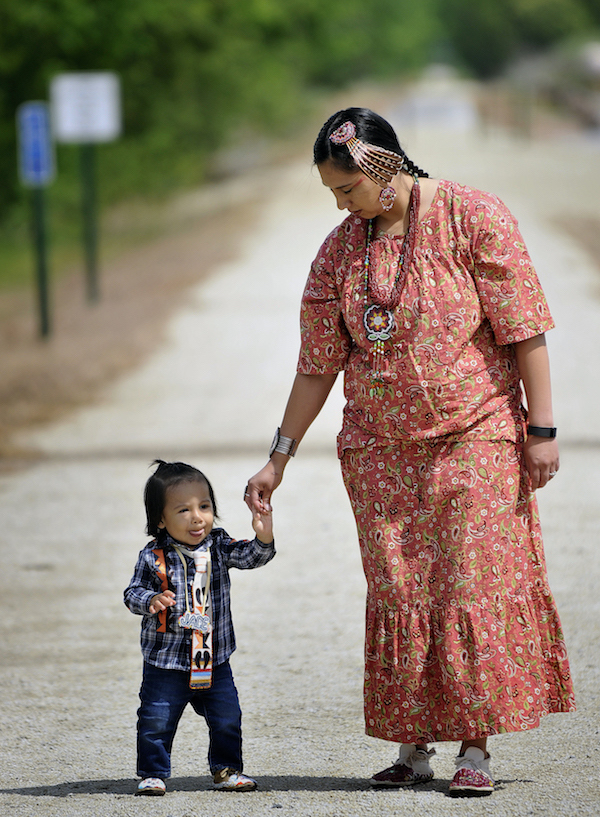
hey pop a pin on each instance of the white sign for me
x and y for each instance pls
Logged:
(86, 106)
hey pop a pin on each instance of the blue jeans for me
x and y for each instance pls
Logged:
(164, 695)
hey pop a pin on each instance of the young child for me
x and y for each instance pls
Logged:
(181, 588)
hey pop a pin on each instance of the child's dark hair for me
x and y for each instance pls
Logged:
(166, 476)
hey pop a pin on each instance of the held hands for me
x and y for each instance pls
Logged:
(161, 601)
(257, 496)
(258, 491)
(541, 460)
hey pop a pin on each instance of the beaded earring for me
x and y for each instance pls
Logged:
(387, 197)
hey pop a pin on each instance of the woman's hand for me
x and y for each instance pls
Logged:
(541, 460)
(260, 487)
(306, 399)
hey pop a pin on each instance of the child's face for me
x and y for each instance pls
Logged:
(188, 515)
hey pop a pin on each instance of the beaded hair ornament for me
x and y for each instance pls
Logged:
(379, 164)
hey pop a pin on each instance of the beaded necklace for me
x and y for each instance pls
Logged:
(378, 318)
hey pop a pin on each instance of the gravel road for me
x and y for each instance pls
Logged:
(213, 394)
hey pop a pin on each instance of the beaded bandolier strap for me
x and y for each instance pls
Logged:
(200, 620)
(161, 570)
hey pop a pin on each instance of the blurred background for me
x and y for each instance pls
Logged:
(212, 90)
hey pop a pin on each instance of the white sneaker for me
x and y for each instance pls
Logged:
(151, 786)
(472, 776)
(230, 780)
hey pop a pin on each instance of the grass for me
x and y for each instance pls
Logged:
(124, 173)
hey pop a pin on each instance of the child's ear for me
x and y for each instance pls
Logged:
(161, 525)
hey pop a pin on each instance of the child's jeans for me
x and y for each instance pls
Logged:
(164, 695)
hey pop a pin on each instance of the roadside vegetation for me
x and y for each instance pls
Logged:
(200, 75)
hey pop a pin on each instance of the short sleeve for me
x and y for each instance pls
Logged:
(507, 283)
(325, 342)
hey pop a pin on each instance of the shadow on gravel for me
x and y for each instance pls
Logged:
(275, 783)
(127, 786)
(83, 787)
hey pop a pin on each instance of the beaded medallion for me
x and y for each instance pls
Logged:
(378, 318)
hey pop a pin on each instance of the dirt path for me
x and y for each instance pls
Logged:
(212, 392)
(92, 345)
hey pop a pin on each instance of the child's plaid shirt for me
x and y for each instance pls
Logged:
(172, 649)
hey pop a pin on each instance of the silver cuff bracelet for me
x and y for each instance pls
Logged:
(283, 445)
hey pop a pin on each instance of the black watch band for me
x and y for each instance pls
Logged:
(539, 431)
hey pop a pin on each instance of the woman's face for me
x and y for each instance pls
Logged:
(353, 191)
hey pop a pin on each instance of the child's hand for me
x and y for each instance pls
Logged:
(161, 601)
(262, 522)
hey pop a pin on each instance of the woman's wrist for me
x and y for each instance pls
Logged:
(548, 432)
(279, 461)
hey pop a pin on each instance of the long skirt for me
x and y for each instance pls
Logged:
(463, 639)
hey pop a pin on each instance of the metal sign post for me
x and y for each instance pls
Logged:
(90, 218)
(36, 170)
(86, 109)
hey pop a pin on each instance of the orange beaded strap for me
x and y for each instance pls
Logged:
(161, 570)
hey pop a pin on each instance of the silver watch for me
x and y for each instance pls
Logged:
(284, 445)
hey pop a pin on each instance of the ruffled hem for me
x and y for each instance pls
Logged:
(454, 672)
(407, 733)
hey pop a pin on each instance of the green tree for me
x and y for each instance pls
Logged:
(193, 71)
(487, 34)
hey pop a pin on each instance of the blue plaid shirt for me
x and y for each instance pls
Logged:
(172, 649)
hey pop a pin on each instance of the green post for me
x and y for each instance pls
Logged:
(39, 234)
(89, 210)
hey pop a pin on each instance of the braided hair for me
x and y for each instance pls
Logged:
(371, 129)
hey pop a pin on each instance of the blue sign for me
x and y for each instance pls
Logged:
(36, 152)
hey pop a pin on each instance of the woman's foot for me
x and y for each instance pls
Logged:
(472, 776)
(411, 767)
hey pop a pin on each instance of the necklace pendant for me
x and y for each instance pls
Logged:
(378, 322)
(195, 621)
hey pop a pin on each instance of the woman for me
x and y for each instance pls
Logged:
(426, 298)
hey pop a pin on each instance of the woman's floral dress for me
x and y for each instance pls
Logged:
(462, 636)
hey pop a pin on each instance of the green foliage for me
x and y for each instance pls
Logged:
(486, 34)
(482, 34)
(194, 71)
(543, 22)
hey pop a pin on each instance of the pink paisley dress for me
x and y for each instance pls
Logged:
(462, 635)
